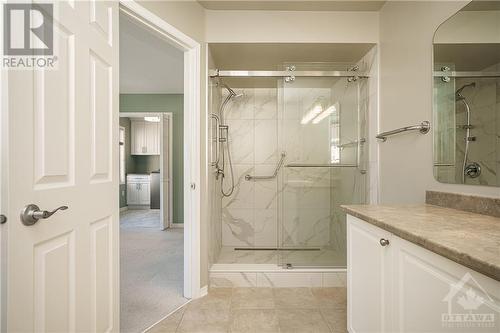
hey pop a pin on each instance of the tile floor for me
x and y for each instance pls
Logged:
(256, 310)
(151, 270)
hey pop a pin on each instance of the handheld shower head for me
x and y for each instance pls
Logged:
(458, 93)
(232, 93)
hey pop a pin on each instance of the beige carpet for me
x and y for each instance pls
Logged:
(151, 270)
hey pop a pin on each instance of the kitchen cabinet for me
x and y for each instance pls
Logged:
(145, 137)
(397, 286)
(138, 190)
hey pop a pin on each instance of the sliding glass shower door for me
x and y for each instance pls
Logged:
(322, 123)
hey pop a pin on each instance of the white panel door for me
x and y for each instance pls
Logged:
(166, 169)
(62, 272)
(368, 277)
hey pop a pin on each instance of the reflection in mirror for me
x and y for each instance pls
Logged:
(466, 100)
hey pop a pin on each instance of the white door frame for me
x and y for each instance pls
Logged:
(165, 223)
(192, 154)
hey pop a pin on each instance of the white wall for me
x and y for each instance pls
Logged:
(276, 26)
(405, 167)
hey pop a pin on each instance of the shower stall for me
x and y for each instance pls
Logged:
(290, 146)
(466, 117)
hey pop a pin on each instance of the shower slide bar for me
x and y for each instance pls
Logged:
(278, 167)
(224, 73)
(466, 74)
(423, 128)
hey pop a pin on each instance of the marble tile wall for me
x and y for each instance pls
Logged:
(484, 101)
(249, 216)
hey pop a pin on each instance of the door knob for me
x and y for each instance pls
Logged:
(31, 214)
(3, 219)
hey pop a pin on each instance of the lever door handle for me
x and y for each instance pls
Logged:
(31, 214)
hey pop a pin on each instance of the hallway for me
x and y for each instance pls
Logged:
(151, 277)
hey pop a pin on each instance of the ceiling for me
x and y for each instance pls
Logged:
(148, 64)
(312, 5)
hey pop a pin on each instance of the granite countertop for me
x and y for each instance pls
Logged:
(470, 239)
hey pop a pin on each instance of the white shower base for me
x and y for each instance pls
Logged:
(272, 275)
(259, 268)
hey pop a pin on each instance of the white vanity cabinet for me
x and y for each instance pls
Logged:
(138, 190)
(368, 277)
(402, 287)
(145, 137)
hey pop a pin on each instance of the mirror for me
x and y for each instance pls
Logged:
(466, 96)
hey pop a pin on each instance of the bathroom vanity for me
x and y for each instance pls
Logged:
(419, 268)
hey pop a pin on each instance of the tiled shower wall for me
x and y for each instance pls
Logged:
(484, 101)
(249, 216)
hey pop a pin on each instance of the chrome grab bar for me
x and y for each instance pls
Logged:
(217, 139)
(423, 128)
(333, 165)
(278, 167)
(351, 143)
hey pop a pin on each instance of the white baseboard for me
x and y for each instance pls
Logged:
(122, 209)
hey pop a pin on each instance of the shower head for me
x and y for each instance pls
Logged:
(232, 93)
(458, 93)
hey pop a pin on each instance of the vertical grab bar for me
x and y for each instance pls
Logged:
(217, 139)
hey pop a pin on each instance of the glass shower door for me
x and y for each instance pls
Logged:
(322, 130)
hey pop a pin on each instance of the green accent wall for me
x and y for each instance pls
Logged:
(173, 103)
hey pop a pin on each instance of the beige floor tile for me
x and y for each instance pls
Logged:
(252, 298)
(335, 298)
(254, 321)
(217, 298)
(301, 321)
(199, 320)
(169, 324)
(336, 319)
(297, 298)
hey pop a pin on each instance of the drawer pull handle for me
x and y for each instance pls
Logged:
(384, 242)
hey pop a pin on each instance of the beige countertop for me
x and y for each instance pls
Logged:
(472, 240)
